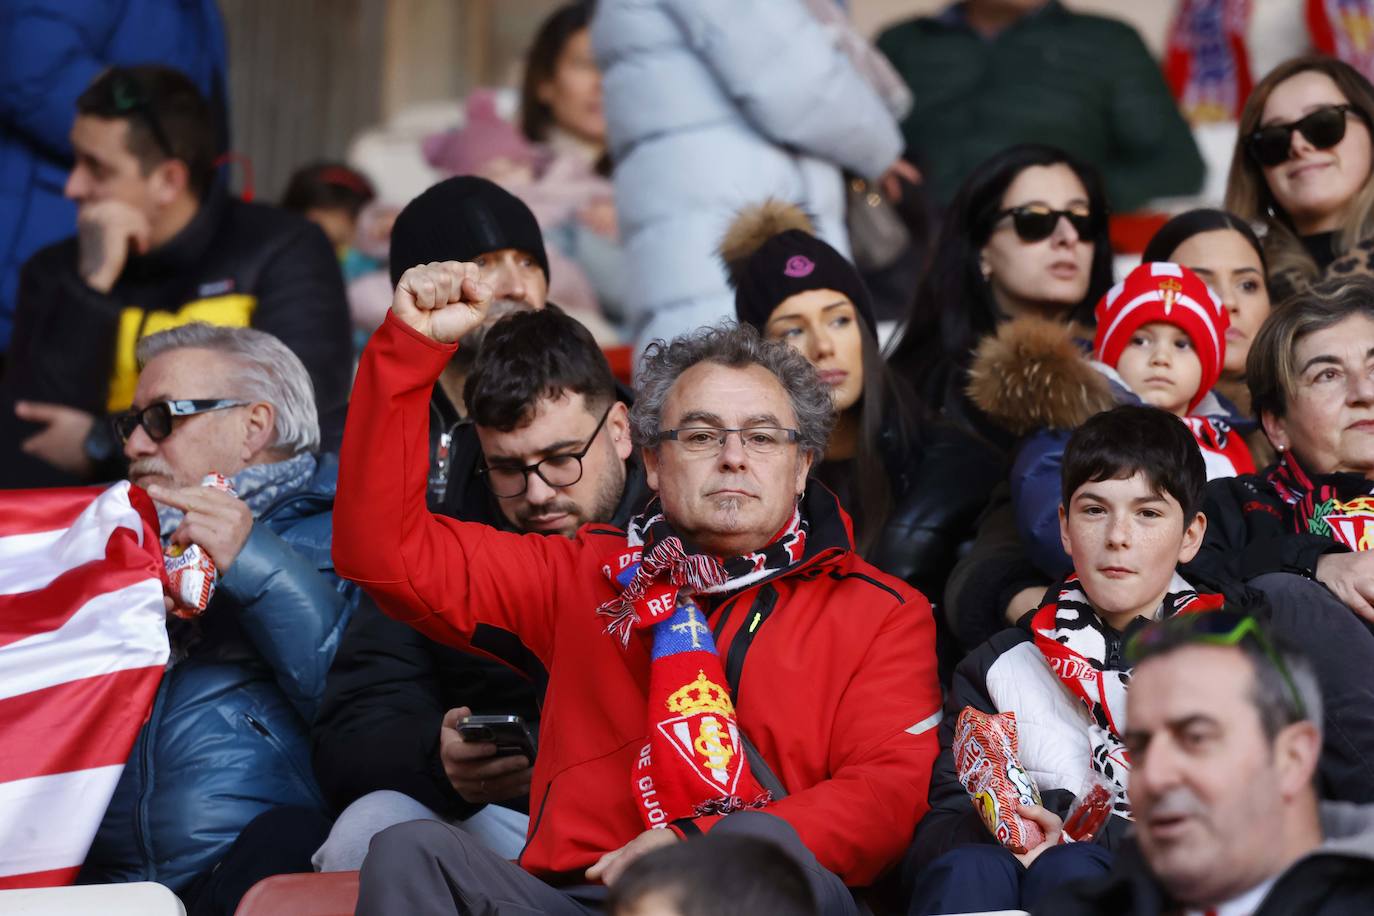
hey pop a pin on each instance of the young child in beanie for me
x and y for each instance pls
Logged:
(1164, 332)
(1160, 340)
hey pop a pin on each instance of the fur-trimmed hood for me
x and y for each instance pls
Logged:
(1034, 373)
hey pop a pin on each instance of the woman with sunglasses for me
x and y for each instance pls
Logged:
(913, 488)
(1302, 169)
(1025, 235)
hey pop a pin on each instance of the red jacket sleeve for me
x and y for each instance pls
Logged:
(441, 576)
(860, 821)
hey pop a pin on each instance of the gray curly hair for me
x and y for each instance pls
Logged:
(265, 370)
(736, 346)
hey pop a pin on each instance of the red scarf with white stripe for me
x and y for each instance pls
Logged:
(1074, 641)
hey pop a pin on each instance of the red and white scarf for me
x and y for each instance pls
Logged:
(1074, 641)
(694, 762)
(1207, 62)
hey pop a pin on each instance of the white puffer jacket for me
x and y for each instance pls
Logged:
(712, 105)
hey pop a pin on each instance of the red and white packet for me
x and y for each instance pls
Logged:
(190, 571)
(985, 758)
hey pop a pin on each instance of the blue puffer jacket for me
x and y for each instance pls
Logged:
(228, 735)
(50, 50)
(712, 105)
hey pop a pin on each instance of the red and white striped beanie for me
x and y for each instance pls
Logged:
(1160, 291)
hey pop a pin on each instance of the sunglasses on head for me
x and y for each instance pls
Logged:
(128, 97)
(1036, 222)
(156, 419)
(1323, 128)
(1214, 628)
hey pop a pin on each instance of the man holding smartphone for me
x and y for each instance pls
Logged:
(388, 743)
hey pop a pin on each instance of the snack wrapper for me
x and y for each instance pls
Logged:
(989, 770)
(1090, 810)
(190, 571)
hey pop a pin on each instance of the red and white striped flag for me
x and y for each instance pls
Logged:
(83, 644)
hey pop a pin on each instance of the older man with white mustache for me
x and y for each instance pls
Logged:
(217, 792)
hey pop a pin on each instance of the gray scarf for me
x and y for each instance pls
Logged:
(259, 486)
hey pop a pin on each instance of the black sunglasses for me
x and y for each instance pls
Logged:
(1323, 128)
(156, 419)
(1036, 222)
(1215, 628)
(128, 97)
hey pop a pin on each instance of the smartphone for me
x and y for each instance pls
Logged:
(510, 734)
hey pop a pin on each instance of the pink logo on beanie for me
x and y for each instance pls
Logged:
(798, 266)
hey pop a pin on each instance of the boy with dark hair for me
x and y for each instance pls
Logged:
(1132, 484)
(714, 875)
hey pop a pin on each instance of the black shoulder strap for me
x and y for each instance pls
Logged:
(760, 611)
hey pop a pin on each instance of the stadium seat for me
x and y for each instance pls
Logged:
(142, 898)
(326, 894)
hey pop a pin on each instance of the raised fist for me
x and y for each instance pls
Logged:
(442, 300)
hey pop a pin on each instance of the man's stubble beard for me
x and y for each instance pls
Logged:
(602, 509)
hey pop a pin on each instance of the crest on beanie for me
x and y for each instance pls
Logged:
(799, 266)
(1171, 293)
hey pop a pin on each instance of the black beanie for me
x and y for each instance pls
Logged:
(791, 262)
(460, 218)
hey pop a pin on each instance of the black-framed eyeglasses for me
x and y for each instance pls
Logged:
(128, 97)
(1323, 128)
(1036, 222)
(1214, 628)
(756, 440)
(555, 470)
(156, 419)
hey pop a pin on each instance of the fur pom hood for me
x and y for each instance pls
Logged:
(1033, 374)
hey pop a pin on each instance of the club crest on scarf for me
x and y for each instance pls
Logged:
(694, 762)
(1340, 506)
(1351, 522)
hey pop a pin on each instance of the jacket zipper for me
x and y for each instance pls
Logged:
(1114, 651)
(302, 782)
(534, 827)
(145, 781)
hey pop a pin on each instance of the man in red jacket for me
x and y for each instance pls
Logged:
(726, 663)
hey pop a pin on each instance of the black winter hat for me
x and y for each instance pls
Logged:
(771, 254)
(460, 218)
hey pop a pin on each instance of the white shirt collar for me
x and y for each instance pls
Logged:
(1244, 905)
